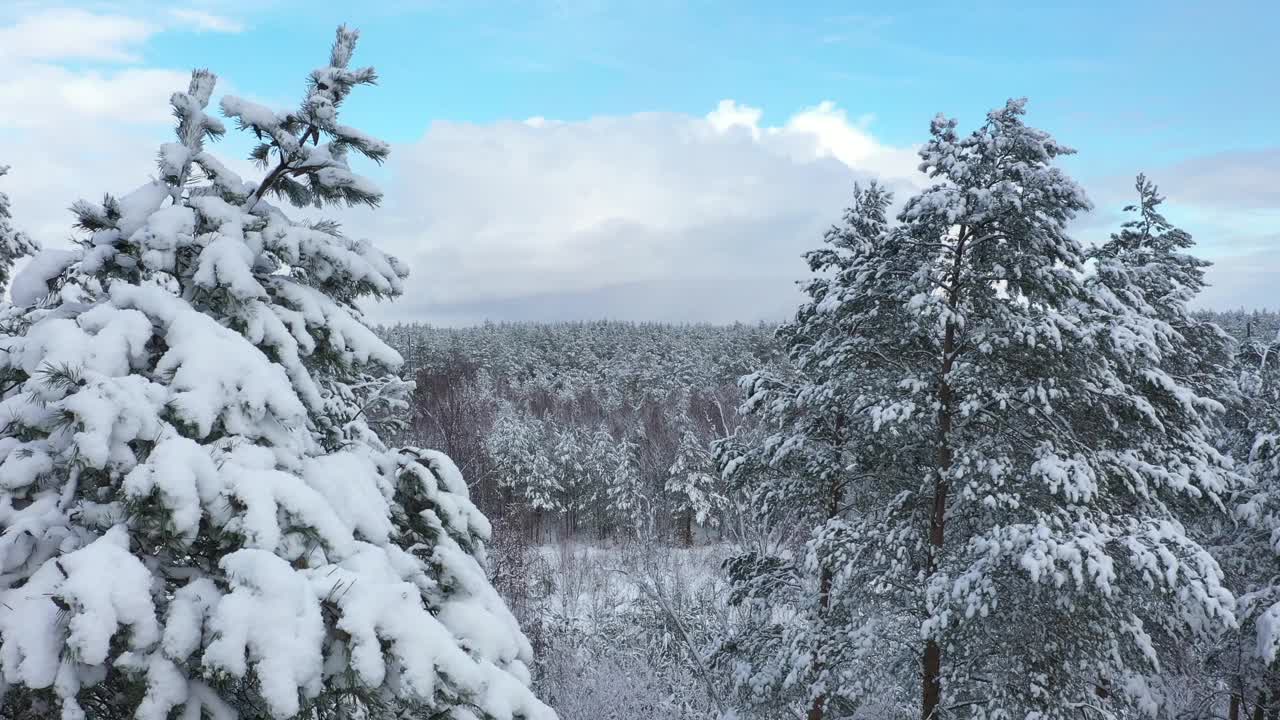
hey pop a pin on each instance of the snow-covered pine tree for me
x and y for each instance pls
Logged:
(1144, 278)
(802, 651)
(1013, 512)
(691, 485)
(627, 499)
(1247, 660)
(197, 517)
(1147, 268)
(13, 242)
(524, 468)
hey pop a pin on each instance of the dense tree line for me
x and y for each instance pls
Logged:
(585, 429)
(1247, 326)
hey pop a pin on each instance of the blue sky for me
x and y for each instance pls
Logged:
(1187, 92)
(1132, 83)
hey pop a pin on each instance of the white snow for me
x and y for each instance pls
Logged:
(31, 285)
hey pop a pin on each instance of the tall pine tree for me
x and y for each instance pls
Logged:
(1145, 273)
(1010, 510)
(198, 517)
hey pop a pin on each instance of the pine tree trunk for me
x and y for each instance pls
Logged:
(1233, 712)
(932, 680)
(825, 578)
(819, 705)
(688, 529)
(824, 604)
(1260, 706)
(931, 690)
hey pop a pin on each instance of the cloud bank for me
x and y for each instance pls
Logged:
(647, 216)
(78, 116)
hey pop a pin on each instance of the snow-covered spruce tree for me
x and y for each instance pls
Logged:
(1014, 512)
(598, 449)
(197, 517)
(569, 469)
(13, 242)
(524, 468)
(691, 484)
(628, 500)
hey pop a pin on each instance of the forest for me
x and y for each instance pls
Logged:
(631, 603)
(985, 470)
(552, 423)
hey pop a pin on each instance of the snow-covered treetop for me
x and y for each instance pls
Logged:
(316, 173)
(1151, 250)
(13, 242)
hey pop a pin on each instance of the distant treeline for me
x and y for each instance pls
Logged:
(1245, 324)
(584, 427)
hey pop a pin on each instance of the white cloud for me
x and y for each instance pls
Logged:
(823, 130)
(652, 215)
(72, 34)
(78, 131)
(39, 91)
(729, 114)
(849, 142)
(675, 217)
(53, 97)
(60, 34)
(204, 21)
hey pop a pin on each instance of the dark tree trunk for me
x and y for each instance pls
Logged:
(819, 706)
(687, 529)
(1233, 711)
(825, 578)
(1260, 706)
(824, 603)
(931, 685)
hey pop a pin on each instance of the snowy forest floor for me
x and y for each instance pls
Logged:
(631, 631)
(619, 631)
